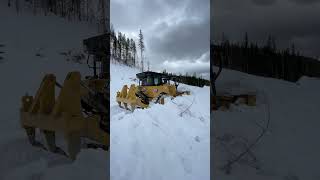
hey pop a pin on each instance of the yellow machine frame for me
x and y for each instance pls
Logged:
(128, 96)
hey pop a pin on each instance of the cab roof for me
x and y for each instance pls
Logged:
(146, 74)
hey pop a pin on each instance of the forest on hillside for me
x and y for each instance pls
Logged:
(123, 49)
(190, 79)
(76, 10)
(264, 60)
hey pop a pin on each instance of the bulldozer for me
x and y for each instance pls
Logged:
(80, 110)
(153, 88)
(222, 101)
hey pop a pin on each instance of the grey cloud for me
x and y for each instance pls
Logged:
(185, 40)
(264, 2)
(287, 21)
(173, 30)
(132, 15)
(201, 66)
(141, 13)
(201, 7)
(305, 2)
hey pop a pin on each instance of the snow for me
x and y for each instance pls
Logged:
(21, 71)
(289, 149)
(162, 142)
(169, 141)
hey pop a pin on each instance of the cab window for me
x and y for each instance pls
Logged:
(156, 81)
(150, 81)
(143, 82)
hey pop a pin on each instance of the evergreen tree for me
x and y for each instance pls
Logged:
(112, 41)
(246, 41)
(265, 60)
(127, 47)
(119, 45)
(134, 51)
(123, 44)
(273, 45)
(293, 49)
(141, 46)
(71, 9)
(17, 6)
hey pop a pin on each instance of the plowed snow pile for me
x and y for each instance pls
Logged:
(163, 142)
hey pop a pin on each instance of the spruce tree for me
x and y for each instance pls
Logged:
(246, 41)
(141, 46)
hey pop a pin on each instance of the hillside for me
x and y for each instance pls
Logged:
(265, 61)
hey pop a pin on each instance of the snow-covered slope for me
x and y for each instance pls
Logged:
(163, 142)
(289, 150)
(21, 71)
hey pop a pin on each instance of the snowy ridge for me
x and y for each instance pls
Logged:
(169, 141)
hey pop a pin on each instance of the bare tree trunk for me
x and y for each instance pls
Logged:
(102, 18)
(18, 6)
(87, 13)
(34, 7)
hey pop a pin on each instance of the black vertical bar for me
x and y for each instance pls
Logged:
(95, 67)
(212, 89)
(105, 65)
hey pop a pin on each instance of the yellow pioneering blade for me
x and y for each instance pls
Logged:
(64, 114)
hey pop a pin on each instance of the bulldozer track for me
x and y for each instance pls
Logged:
(162, 95)
(144, 98)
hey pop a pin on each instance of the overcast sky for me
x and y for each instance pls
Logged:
(289, 21)
(176, 32)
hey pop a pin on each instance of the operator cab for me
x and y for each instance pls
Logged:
(150, 78)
